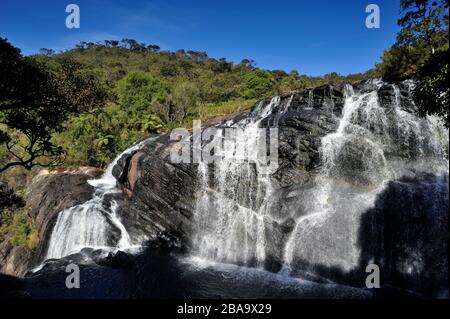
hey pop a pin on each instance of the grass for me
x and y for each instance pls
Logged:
(212, 112)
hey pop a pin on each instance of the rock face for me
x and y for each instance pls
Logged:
(360, 179)
(159, 194)
(14, 260)
(49, 193)
(328, 208)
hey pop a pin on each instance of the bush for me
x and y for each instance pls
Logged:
(432, 91)
(20, 228)
(257, 84)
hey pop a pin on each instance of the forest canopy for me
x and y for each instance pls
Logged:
(87, 104)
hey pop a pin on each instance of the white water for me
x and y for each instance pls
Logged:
(232, 212)
(90, 224)
(328, 234)
(231, 217)
(327, 206)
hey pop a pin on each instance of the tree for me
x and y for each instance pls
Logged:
(153, 48)
(133, 45)
(424, 31)
(432, 91)
(138, 90)
(278, 74)
(184, 96)
(111, 43)
(181, 53)
(421, 52)
(401, 62)
(35, 102)
(47, 52)
(247, 63)
(423, 20)
(20, 79)
(257, 84)
(332, 78)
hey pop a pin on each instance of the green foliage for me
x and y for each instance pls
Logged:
(8, 199)
(257, 84)
(119, 91)
(421, 53)
(37, 97)
(399, 63)
(137, 91)
(424, 29)
(152, 91)
(432, 92)
(291, 83)
(19, 227)
(423, 20)
(185, 96)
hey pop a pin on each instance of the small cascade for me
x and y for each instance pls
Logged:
(90, 224)
(310, 99)
(231, 211)
(326, 204)
(355, 170)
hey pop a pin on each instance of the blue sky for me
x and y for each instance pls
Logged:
(314, 37)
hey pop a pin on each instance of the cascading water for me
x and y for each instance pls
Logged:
(355, 171)
(237, 219)
(89, 224)
(372, 145)
(231, 209)
(333, 204)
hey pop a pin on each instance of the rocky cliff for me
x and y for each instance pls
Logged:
(360, 179)
(49, 193)
(367, 186)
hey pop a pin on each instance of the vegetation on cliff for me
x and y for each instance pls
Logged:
(85, 105)
(421, 52)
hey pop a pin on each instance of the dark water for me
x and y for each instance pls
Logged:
(158, 274)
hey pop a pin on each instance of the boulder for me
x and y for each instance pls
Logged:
(119, 259)
(50, 192)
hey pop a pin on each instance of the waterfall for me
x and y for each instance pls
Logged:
(238, 213)
(355, 170)
(329, 203)
(90, 224)
(231, 211)
(372, 145)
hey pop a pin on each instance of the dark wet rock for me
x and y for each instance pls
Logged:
(165, 240)
(158, 204)
(406, 234)
(161, 195)
(9, 285)
(49, 193)
(119, 259)
(14, 260)
(53, 191)
(288, 225)
(162, 274)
